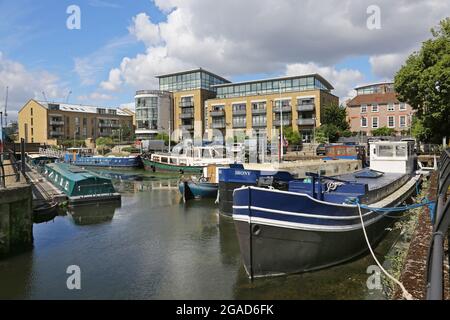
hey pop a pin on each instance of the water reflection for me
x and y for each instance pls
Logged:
(93, 214)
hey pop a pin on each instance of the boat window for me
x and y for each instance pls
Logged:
(173, 160)
(164, 160)
(385, 151)
(183, 162)
(400, 151)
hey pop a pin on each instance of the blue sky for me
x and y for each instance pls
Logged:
(123, 44)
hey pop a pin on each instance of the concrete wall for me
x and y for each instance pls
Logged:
(16, 219)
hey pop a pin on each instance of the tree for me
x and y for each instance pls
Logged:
(330, 131)
(293, 137)
(383, 132)
(336, 115)
(163, 136)
(424, 83)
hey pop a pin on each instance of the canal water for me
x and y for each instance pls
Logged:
(155, 247)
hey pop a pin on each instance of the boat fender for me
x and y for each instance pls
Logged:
(256, 230)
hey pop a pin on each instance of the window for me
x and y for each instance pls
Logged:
(364, 122)
(31, 121)
(390, 107)
(363, 108)
(402, 106)
(385, 151)
(31, 111)
(402, 121)
(374, 108)
(400, 151)
(375, 122)
(391, 121)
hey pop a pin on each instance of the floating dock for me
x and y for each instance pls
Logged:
(79, 185)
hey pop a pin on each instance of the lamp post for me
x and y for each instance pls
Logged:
(281, 119)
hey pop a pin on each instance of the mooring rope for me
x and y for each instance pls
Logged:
(405, 292)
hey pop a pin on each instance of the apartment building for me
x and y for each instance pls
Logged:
(49, 123)
(258, 107)
(376, 106)
(154, 113)
(190, 89)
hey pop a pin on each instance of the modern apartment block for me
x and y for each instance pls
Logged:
(376, 106)
(48, 123)
(262, 105)
(154, 113)
(190, 89)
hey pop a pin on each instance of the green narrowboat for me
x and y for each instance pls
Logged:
(80, 185)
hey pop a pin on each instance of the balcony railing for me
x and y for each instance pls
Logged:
(56, 123)
(239, 125)
(109, 125)
(56, 133)
(186, 115)
(259, 124)
(259, 111)
(286, 122)
(186, 104)
(239, 112)
(305, 122)
(218, 125)
(278, 109)
(217, 113)
(305, 107)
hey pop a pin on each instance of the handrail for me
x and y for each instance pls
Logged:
(441, 224)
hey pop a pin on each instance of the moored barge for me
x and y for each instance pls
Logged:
(80, 185)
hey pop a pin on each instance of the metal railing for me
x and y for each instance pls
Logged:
(441, 224)
(8, 155)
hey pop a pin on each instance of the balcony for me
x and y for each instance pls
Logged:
(56, 123)
(286, 122)
(305, 107)
(305, 122)
(218, 125)
(283, 108)
(109, 125)
(239, 112)
(186, 104)
(259, 124)
(187, 127)
(217, 113)
(186, 115)
(259, 111)
(239, 125)
(56, 133)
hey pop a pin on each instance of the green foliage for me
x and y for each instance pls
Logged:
(130, 150)
(383, 132)
(330, 131)
(293, 137)
(164, 136)
(321, 137)
(336, 115)
(104, 142)
(125, 133)
(73, 143)
(424, 83)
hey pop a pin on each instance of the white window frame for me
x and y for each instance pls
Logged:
(363, 126)
(393, 107)
(375, 108)
(363, 108)
(378, 122)
(393, 121)
(400, 122)
(402, 106)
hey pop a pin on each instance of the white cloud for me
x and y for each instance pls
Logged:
(95, 96)
(343, 80)
(114, 81)
(236, 37)
(25, 84)
(386, 65)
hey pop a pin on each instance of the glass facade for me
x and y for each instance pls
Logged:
(270, 87)
(197, 79)
(147, 113)
(377, 88)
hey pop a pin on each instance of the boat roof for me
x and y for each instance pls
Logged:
(73, 173)
(372, 183)
(38, 156)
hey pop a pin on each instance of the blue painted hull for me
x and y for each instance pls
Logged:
(283, 232)
(199, 189)
(106, 162)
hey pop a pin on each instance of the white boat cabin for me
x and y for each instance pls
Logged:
(393, 157)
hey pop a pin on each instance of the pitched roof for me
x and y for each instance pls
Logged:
(374, 98)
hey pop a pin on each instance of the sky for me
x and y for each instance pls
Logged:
(121, 45)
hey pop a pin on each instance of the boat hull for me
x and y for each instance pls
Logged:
(198, 190)
(166, 167)
(274, 243)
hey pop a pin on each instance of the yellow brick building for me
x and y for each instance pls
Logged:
(50, 123)
(260, 106)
